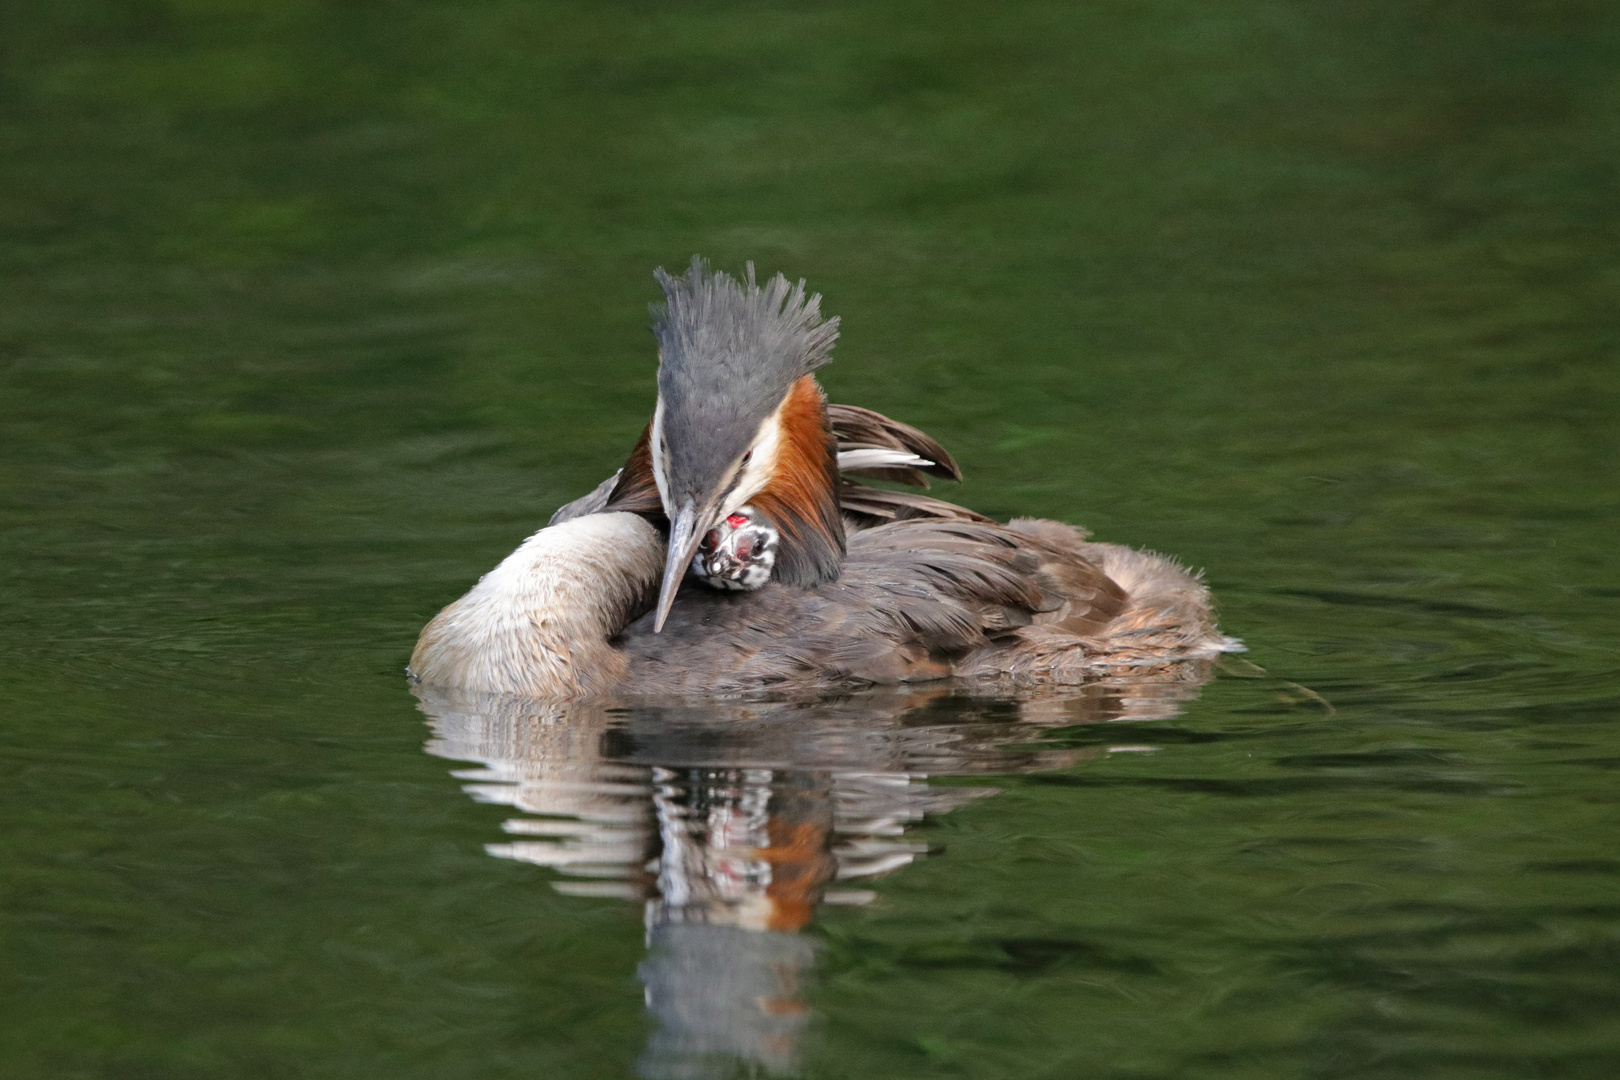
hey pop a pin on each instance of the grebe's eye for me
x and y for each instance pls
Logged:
(748, 457)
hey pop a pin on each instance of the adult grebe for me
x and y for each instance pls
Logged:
(743, 480)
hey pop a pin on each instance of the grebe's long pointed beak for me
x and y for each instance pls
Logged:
(685, 533)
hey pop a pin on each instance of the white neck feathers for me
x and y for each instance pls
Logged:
(538, 624)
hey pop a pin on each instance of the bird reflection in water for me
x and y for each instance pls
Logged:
(730, 823)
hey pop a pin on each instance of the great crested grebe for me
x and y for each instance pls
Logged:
(743, 482)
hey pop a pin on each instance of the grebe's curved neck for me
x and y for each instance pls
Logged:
(539, 623)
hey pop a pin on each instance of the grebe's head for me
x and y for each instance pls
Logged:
(740, 419)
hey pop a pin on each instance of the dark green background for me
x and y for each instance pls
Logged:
(310, 311)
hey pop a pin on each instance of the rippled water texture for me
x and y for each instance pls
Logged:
(309, 312)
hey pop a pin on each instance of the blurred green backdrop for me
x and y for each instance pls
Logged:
(310, 310)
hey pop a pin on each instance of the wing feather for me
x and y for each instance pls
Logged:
(918, 599)
(863, 429)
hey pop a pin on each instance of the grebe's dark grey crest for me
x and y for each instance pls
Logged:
(740, 421)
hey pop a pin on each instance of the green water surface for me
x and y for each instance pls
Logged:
(310, 310)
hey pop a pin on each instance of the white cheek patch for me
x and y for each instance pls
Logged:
(761, 465)
(660, 475)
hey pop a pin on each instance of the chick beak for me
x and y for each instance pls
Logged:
(685, 533)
